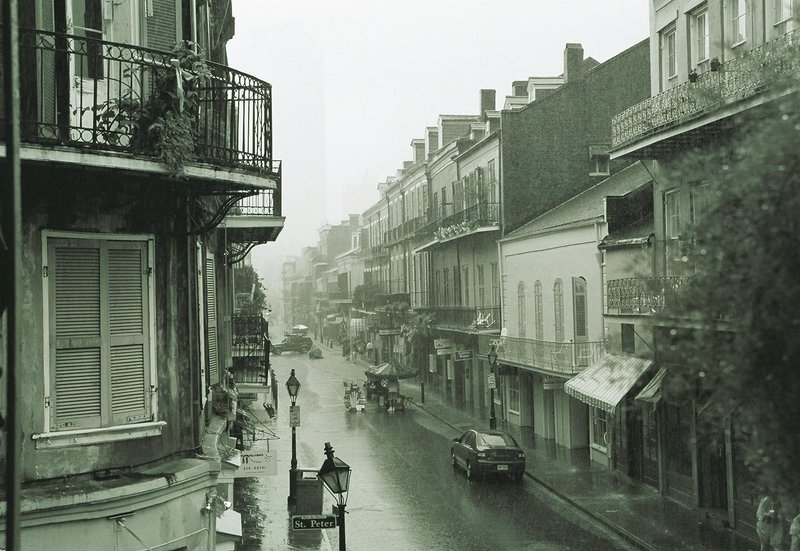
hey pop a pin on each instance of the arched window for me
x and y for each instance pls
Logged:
(558, 307)
(538, 313)
(521, 308)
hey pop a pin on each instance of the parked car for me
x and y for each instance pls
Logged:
(293, 343)
(488, 452)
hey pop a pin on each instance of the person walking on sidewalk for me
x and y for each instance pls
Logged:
(769, 523)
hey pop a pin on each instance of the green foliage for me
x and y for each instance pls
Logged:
(419, 325)
(246, 280)
(745, 292)
(162, 124)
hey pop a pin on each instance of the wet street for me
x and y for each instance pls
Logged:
(404, 493)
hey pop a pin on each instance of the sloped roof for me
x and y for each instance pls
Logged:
(587, 206)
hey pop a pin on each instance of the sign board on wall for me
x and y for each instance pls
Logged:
(442, 343)
(463, 355)
(443, 351)
(255, 464)
(388, 332)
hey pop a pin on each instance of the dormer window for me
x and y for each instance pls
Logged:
(599, 160)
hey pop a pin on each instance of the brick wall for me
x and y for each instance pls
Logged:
(545, 152)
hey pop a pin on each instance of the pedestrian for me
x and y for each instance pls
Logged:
(794, 533)
(769, 523)
(369, 352)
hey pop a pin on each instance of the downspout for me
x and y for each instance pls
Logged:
(11, 269)
(193, 18)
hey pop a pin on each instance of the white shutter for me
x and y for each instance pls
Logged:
(75, 334)
(129, 365)
(211, 320)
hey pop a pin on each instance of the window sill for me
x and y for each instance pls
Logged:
(88, 437)
(737, 44)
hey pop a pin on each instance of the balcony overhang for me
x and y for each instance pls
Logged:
(253, 229)
(436, 241)
(211, 175)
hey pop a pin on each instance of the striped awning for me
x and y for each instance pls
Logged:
(652, 392)
(605, 383)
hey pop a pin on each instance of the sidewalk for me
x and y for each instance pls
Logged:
(639, 514)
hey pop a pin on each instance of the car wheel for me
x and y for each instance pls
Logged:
(304, 349)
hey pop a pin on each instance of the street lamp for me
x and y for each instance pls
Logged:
(335, 476)
(492, 355)
(293, 386)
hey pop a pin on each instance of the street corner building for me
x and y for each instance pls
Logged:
(130, 379)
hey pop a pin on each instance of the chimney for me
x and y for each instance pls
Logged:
(488, 101)
(418, 147)
(355, 220)
(573, 62)
(431, 140)
(520, 88)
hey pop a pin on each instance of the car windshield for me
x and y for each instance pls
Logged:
(492, 440)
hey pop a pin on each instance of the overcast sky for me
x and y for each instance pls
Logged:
(355, 81)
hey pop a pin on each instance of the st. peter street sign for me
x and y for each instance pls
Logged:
(313, 522)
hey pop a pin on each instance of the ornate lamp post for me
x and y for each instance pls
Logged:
(492, 356)
(335, 476)
(293, 386)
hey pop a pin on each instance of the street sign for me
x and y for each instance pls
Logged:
(313, 522)
(255, 464)
(492, 383)
(443, 351)
(294, 416)
(463, 355)
(442, 343)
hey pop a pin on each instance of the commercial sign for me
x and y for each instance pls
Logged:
(388, 332)
(443, 351)
(255, 464)
(492, 383)
(442, 343)
(463, 355)
(313, 522)
(294, 416)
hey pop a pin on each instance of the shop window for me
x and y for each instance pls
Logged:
(599, 427)
(513, 393)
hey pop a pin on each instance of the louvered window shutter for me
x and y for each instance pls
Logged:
(75, 334)
(99, 333)
(579, 298)
(129, 362)
(211, 320)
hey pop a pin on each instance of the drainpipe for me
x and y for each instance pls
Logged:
(194, 25)
(11, 270)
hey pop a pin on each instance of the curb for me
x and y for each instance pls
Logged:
(625, 534)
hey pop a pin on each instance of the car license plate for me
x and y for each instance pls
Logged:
(502, 467)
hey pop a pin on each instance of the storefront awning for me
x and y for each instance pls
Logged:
(605, 383)
(652, 392)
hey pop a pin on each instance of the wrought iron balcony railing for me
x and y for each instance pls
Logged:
(463, 317)
(740, 78)
(565, 358)
(642, 296)
(267, 202)
(91, 93)
(249, 351)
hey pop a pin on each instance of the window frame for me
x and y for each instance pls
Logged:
(521, 320)
(669, 45)
(558, 310)
(738, 17)
(513, 394)
(594, 415)
(538, 310)
(51, 438)
(700, 14)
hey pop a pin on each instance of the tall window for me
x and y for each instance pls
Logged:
(558, 307)
(700, 36)
(446, 287)
(738, 21)
(521, 308)
(668, 51)
(513, 393)
(538, 312)
(438, 296)
(672, 230)
(599, 427)
(699, 199)
(465, 284)
(99, 308)
(456, 286)
(495, 284)
(579, 304)
(481, 287)
(492, 171)
(783, 15)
